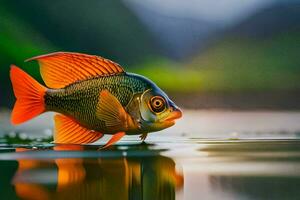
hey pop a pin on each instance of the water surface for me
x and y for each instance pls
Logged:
(185, 169)
(229, 158)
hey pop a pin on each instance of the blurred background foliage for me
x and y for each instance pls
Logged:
(186, 47)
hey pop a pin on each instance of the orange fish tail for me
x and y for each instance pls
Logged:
(29, 94)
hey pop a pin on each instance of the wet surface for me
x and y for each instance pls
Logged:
(181, 169)
(207, 155)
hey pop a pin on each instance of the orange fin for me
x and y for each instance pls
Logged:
(70, 172)
(63, 68)
(68, 131)
(68, 147)
(25, 191)
(115, 138)
(29, 94)
(111, 111)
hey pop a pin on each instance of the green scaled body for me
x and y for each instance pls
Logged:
(79, 100)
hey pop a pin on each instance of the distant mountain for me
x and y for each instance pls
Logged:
(177, 36)
(275, 19)
(181, 36)
(259, 53)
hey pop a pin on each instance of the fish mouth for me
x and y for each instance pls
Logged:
(175, 114)
(169, 120)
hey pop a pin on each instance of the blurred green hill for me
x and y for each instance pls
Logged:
(234, 64)
(261, 53)
(237, 63)
(104, 27)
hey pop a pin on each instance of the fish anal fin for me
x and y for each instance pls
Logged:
(111, 111)
(63, 68)
(115, 138)
(68, 131)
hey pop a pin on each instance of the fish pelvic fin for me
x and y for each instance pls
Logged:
(143, 136)
(115, 138)
(29, 94)
(68, 131)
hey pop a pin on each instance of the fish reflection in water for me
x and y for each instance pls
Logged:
(149, 177)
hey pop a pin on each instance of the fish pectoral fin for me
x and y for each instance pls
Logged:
(110, 110)
(63, 68)
(68, 131)
(115, 138)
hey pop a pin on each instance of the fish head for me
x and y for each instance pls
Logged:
(157, 110)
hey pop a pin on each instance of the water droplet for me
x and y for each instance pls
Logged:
(234, 135)
(12, 134)
(23, 136)
(48, 132)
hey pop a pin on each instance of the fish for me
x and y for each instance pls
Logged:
(92, 96)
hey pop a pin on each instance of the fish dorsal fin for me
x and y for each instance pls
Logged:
(63, 68)
(68, 131)
(111, 111)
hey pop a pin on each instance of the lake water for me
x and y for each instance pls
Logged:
(207, 155)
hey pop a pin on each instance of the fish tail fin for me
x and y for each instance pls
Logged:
(29, 94)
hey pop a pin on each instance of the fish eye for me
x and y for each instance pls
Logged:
(157, 104)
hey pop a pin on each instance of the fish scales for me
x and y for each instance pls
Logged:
(81, 98)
